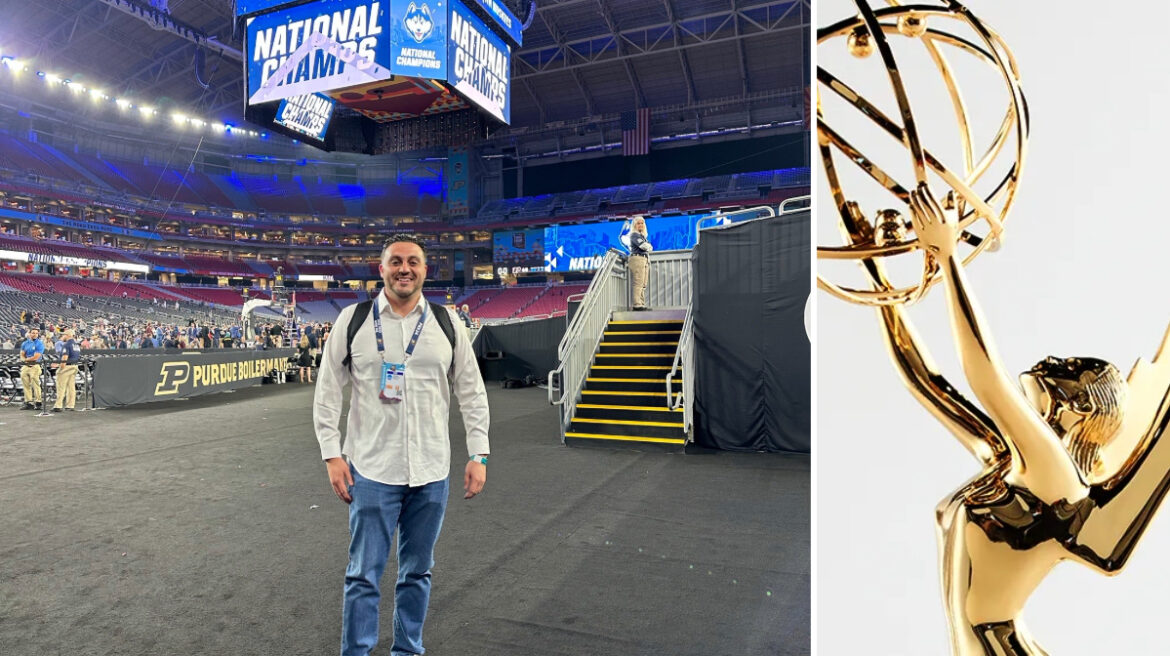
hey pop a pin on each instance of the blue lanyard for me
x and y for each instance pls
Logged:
(413, 338)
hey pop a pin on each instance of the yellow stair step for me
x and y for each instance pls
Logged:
(627, 438)
(626, 380)
(640, 408)
(630, 422)
(605, 343)
(630, 366)
(624, 393)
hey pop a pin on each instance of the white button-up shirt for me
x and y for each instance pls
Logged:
(405, 443)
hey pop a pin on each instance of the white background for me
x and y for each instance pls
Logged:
(1084, 271)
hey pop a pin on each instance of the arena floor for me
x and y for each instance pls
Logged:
(208, 527)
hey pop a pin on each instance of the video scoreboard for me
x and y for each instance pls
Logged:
(385, 59)
(582, 247)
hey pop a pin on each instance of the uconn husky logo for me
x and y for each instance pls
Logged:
(418, 22)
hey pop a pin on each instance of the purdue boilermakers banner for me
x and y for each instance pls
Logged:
(134, 379)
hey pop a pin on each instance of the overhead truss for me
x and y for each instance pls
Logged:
(744, 20)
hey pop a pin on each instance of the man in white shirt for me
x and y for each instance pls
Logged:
(403, 369)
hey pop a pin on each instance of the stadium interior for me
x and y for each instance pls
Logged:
(144, 194)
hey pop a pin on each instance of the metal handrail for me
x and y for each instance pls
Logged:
(680, 358)
(806, 200)
(600, 279)
(760, 212)
(511, 320)
(608, 289)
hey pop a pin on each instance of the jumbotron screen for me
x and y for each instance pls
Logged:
(307, 115)
(519, 251)
(582, 247)
(387, 60)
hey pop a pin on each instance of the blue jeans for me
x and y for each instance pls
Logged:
(376, 511)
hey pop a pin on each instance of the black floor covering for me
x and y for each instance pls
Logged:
(208, 527)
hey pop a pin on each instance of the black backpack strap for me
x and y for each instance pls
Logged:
(444, 319)
(360, 312)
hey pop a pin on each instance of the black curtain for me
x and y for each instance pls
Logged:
(519, 349)
(752, 281)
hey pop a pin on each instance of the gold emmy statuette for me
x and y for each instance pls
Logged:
(1074, 464)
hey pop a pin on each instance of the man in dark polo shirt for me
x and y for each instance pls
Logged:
(67, 373)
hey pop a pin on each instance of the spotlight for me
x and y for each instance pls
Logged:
(147, 111)
(197, 122)
(122, 103)
(51, 78)
(179, 118)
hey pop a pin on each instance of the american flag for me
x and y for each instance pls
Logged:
(636, 132)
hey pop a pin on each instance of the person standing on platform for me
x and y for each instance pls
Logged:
(639, 261)
(403, 369)
(31, 353)
(67, 373)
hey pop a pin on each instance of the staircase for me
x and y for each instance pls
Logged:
(623, 404)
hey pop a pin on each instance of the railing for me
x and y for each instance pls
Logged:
(669, 281)
(796, 204)
(738, 215)
(513, 320)
(609, 289)
(684, 364)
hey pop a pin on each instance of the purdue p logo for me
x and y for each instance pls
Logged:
(172, 375)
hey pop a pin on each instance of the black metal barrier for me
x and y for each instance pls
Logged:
(143, 377)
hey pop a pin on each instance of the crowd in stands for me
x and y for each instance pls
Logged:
(113, 322)
(149, 301)
(103, 333)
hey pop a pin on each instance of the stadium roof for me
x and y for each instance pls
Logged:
(580, 57)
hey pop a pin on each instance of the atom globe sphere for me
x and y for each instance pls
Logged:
(982, 183)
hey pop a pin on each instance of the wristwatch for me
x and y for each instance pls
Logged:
(480, 459)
